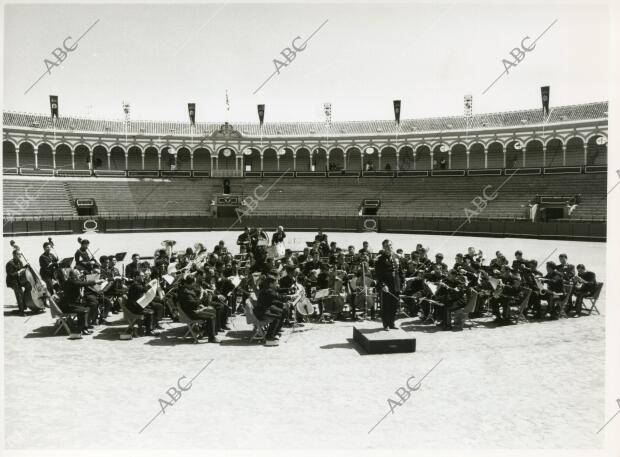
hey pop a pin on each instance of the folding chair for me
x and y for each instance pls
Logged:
(131, 318)
(192, 324)
(593, 299)
(260, 326)
(461, 316)
(63, 320)
(520, 315)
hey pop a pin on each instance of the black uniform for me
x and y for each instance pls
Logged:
(70, 300)
(271, 305)
(587, 288)
(278, 237)
(389, 274)
(12, 281)
(83, 260)
(48, 263)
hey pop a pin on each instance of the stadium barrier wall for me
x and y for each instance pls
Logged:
(567, 230)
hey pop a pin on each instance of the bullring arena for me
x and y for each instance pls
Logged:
(124, 187)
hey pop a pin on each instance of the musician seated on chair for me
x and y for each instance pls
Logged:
(215, 292)
(153, 312)
(99, 304)
(567, 269)
(584, 286)
(70, 300)
(498, 262)
(451, 293)
(519, 264)
(506, 295)
(271, 305)
(416, 290)
(14, 280)
(192, 305)
(554, 293)
(530, 275)
(287, 285)
(484, 290)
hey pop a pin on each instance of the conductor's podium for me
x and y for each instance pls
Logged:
(378, 341)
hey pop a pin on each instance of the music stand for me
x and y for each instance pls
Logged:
(120, 256)
(66, 262)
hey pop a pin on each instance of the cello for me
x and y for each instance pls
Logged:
(36, 293)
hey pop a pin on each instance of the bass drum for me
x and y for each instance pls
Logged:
(333, 304)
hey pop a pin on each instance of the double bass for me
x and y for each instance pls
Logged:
(36, 293)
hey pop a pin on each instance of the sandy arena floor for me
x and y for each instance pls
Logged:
(535, 385)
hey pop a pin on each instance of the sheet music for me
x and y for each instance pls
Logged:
(321, 293)
(96, 287)
(148, 297)
(168, 278)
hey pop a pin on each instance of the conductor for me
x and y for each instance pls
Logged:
(389, 276)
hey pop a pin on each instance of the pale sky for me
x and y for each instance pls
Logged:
(160, 57)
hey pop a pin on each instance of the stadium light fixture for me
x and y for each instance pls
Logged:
(226, 152)
(518, 146)
(248, 151)
(370, 150)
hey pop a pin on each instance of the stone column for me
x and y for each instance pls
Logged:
(585, 153)
(563, 155)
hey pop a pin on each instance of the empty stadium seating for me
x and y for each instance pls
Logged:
(437, 197)
(36, 198)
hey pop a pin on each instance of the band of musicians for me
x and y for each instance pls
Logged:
(282, 288)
